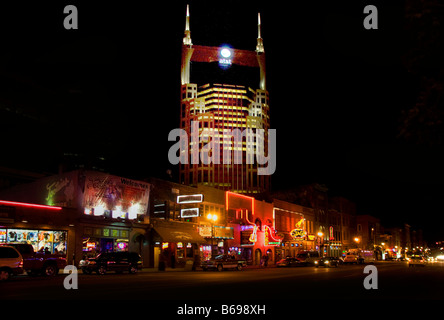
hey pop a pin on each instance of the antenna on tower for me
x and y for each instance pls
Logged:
(187, 37)
(260, 42)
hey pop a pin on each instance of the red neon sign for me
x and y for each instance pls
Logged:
(29, 205)
(227, 193)
(269, 239)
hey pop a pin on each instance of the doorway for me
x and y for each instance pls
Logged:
(156, 257)
(257, 256)
(270, 255)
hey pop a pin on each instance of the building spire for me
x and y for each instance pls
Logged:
(260, 42)
(187, 37)
(187, 24)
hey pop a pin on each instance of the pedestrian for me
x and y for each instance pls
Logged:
(196, 263)
(162, 261)
(173, 260)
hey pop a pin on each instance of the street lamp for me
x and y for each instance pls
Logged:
(213, 219)
(320, 236)
(356, 239)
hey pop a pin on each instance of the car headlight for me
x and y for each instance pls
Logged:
(316, 262)
(326, 261)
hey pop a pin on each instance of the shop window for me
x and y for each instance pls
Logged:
(41, 240)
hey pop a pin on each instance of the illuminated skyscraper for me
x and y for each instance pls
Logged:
(224, 91)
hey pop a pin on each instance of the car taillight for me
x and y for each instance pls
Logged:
(21, 264)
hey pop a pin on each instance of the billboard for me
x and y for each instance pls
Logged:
(118, 197)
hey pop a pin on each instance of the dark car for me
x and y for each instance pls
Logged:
(112, 261)
(224, 261)
(291, 262)
(327, 262)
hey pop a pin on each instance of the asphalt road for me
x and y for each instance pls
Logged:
(395, 281)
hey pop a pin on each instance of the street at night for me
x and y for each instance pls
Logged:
(181, 155)
(395, 280)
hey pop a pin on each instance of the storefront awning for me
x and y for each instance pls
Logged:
(179, 235)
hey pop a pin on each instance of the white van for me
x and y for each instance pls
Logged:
(359, 256)
(11, 262)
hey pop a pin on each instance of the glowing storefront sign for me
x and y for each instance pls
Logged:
(298, 234)
(193, 198)
(253, 236)
(189, 213)
(29, 205)
(270, 240)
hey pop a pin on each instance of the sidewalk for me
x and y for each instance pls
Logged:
(166, 270)
(184, 269)
(200, 269)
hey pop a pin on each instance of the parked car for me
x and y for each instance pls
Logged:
(309, 257)
(359, 256)
(39, 262)
(327, 262)
(417, 261)
(224, 261)
(11, 262)
(291, 262)
(112, 261)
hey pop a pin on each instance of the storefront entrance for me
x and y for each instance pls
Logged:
(98, 240)
(94, 246)
(257, 256)
(175, 243)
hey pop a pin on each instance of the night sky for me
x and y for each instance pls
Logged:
(357, 110)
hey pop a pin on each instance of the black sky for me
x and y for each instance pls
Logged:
(337, 92)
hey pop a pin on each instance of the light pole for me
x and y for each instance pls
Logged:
(213, 219)
(356, 239)
(320, 237)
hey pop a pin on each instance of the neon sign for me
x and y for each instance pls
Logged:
(29, 205)
(253, 236)
(194, 198)
(189, 213)
(270, 240)
(298, 234)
